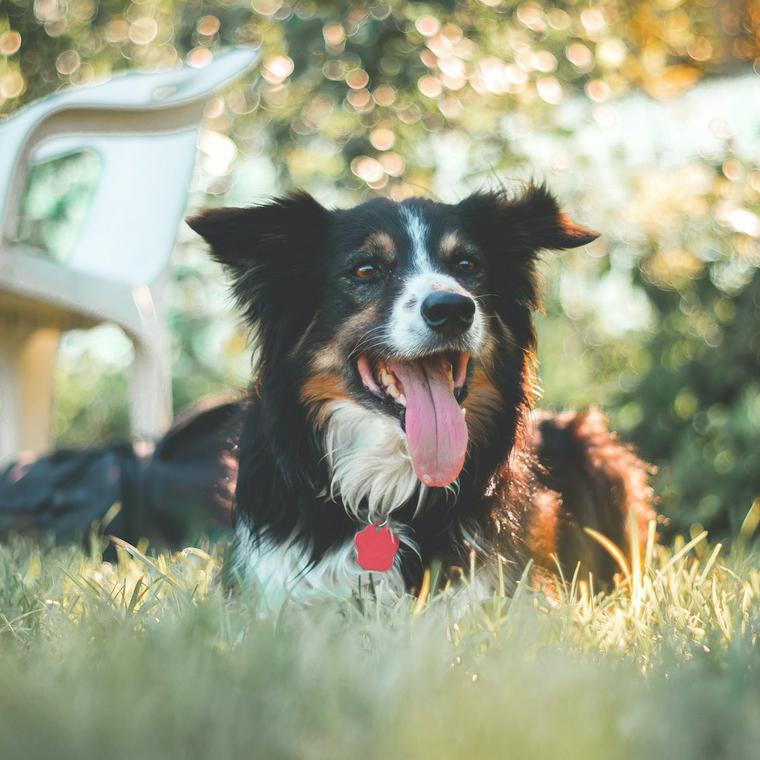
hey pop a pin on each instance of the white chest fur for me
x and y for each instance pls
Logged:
(372, 475)
(370, 467)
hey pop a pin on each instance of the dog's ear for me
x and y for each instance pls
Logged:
(275, 254)
(283, 233)
(524, 224)
(512, 230)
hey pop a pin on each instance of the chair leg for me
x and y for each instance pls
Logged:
(27, 363)
(151, 390)
(151, 373)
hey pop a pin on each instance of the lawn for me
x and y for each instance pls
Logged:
(148, 656)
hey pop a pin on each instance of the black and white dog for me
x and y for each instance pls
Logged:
(394, 389)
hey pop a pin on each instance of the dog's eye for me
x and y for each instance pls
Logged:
(465, 264)
(367, 270)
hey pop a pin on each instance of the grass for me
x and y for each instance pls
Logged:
(147, 656)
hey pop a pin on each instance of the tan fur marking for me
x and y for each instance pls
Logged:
(326, 382)
(381, 242)
(356, 334)
(332, 357)
(573, 230)
(449, 243)
(327, 359)
(360, 321)
(530, 381)
(318, 391)
(543, 528)
(483, 401)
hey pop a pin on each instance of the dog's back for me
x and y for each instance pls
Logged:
(588, 479)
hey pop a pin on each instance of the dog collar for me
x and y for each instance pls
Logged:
(376, 547)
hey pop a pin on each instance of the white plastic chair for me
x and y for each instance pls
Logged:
(144, 129)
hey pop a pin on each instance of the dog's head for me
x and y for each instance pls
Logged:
(412, 310)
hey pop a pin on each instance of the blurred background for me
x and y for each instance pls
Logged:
(643, 116)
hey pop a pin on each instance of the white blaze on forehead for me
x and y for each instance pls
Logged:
(417, 231)
(407, 331)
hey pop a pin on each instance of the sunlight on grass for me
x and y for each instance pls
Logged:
(150, 650)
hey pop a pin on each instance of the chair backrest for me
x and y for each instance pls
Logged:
(143, 130)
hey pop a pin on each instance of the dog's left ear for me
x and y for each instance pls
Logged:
(284, 233)
(275, 254)
(528, 222)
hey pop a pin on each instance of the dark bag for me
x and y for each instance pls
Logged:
(171, 492)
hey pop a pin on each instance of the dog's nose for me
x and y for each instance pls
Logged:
(444, 311)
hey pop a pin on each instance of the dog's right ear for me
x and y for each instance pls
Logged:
(276, 255)
(282, 234)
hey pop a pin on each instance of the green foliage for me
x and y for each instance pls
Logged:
(358, 84)
(148, 655)
(696, 406)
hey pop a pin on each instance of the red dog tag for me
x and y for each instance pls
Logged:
(376, 548)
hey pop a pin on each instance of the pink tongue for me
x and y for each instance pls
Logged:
(435, 428)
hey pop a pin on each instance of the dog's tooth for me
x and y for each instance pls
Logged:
(386, 377)
(464, 412)
(401, 399)
(393, 391)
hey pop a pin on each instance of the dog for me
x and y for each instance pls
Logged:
(391, 413)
